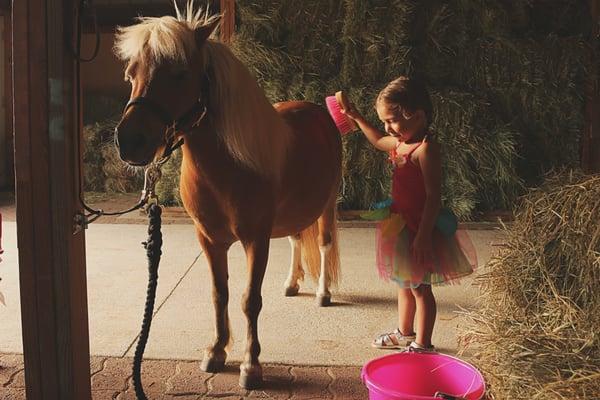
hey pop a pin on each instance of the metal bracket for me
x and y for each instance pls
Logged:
(80, 222)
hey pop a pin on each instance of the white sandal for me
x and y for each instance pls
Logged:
(393, 340)
(417, 348)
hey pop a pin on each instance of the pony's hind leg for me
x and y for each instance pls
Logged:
(257, 252)
(328, 248)
(216, 254)
(296, 272)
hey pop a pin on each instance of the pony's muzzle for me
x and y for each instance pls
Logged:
(132, 147)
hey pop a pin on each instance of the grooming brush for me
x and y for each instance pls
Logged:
(335, 105)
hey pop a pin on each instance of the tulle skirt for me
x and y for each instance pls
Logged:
(453, 255)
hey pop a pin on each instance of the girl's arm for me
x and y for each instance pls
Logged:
(431, 166)
(377, 138)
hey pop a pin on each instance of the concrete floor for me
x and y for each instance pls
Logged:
(292, 330)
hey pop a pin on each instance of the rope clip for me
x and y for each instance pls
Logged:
(151, 177)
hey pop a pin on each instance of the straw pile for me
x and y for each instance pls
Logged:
(537, 331)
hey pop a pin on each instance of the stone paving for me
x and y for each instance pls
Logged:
(183, 380)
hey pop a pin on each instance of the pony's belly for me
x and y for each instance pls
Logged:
(313, 169)
(292, 226)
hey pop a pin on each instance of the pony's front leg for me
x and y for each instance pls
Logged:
(216, 254)
(257, 252)
(296, 272)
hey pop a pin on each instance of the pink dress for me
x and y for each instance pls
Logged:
(453, 256)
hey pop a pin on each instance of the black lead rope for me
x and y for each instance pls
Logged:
(153, 251)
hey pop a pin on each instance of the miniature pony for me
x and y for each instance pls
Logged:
(251, 171)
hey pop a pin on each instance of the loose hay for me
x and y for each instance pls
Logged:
(536, 332)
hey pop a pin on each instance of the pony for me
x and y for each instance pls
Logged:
(251, 170)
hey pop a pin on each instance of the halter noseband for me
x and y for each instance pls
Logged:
(165, 117)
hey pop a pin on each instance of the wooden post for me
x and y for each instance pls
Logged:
(51, 257)
(590, 146)
(7, 157)
(228, 23)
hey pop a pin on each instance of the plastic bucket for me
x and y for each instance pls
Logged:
(419, 376)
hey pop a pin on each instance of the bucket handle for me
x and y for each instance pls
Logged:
(446, 396)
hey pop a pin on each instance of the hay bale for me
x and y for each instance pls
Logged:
(93, 175)
(167, 188)
(537, 85)
(479, 154)
(529, 71)
(537, 329)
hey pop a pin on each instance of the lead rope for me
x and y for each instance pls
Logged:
(153, 250)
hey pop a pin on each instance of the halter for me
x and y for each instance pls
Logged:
(181, 124)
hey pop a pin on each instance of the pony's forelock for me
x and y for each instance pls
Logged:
(167, 38)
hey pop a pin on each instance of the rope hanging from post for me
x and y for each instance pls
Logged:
(153, 251)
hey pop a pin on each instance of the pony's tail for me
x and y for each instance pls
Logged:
(312, 255)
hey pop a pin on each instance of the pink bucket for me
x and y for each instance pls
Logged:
(422, 376)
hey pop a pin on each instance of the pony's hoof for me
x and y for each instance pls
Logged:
(291, 291)
(212, 363)
(324, 300)
(250, 377)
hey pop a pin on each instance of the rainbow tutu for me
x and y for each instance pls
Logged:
(453, 253)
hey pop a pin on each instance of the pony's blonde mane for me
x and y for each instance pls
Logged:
(252, 130)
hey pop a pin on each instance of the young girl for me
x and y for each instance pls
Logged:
(411, 249)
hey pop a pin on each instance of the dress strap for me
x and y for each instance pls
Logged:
(413, 149)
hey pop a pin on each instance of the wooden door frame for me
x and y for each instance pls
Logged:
(228, 22)
(51, 257)
(6, 76)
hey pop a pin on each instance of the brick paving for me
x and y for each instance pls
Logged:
(183, 380)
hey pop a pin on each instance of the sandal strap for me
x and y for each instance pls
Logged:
(386, 339)
(394, 338)
(417, 348)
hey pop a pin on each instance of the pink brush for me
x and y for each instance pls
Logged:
(335, 105)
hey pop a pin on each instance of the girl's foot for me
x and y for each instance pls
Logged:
(393, 340)
(414, 346)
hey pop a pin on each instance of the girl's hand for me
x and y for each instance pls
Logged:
(399, 159)
(422, 248)
(351, 112)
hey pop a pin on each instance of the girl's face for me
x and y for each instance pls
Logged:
(401, 125)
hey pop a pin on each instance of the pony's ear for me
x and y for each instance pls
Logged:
(203, 33)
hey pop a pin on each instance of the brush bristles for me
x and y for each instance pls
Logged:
(344, 124)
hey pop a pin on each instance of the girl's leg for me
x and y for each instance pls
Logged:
(406, 311)
(426, 312)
